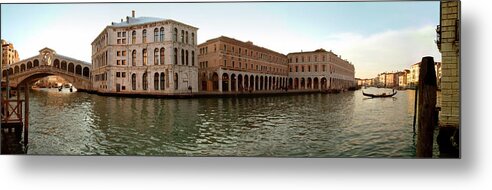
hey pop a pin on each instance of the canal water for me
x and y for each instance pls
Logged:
(310, 125)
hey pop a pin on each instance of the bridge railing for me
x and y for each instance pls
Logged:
(12, 111)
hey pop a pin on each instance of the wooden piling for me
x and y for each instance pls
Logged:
(427, 91)
(26, 114)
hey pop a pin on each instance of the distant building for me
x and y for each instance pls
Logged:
(403, 78)
(320, 69)
(9, 54)
(230, 65)
(145, 55)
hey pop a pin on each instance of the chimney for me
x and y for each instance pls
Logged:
(133, 13)
(121, 20)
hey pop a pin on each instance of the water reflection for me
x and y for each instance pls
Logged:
(314, 125)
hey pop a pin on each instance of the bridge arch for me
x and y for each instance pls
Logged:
(49, 63)
(71, 68)
(78, 70)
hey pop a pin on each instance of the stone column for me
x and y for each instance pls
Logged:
(220, 80)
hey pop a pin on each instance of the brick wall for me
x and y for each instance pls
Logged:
(450, 81)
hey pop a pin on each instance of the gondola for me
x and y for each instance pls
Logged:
(383, 95)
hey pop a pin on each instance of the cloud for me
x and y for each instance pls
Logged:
(392, 50)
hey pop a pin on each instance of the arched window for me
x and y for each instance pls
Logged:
(182, 36)
(182, 57)
(156, 81)
(175, 37)
(162, 56)
(144, 36)
(187, 57)
(156, 35)
(162, 81)
(156, 56)
(192, 38)
(161, 34)
(134, 81)
(144, 57)
(192, 58)
(175, 60)
(134, 58)
(144, 81)
(186, 37)
(134, 37)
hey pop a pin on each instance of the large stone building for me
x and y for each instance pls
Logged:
(448, 42)
(145, 55)
(9, 54)
(320, 69)
(230, 65)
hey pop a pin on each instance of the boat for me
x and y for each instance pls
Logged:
(383, 95)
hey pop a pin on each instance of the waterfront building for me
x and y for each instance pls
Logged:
(403, 78)
(413, 78)
(145, 55)
(382, 79)
(9, 54)
(230, 65)
(319, 69)
(448, 42)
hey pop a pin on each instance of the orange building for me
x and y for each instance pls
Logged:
(230, 65)
(319, 69)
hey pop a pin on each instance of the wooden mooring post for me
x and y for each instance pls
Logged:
(427, 91)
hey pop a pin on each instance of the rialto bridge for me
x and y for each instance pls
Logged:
(47, 63)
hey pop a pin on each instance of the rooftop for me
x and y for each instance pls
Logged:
(130, 21)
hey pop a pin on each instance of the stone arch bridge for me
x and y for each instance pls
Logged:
(49, 63)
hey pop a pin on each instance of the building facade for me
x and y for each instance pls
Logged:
(230, 65)
(145, 55)
(9, 54)
(448, 42)
(319, 69)
(403, 78)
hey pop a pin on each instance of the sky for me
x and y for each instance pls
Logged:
(375, 36)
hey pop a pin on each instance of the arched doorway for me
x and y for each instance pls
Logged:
(225, 82)
(323, 83)
(215, 82)
(316, 83)
(240, 82)
(233, 82)
(309, 83)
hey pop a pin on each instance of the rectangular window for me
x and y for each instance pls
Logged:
(123, 62)
(124, 41)
(123, 74)
(119, 34)
(118, 53)
(316, 68)
(117, 62)
(302, 68)
(117, 74)
(123, 87)
(124, 34)
(119, 41)
(123, 53)
(225, 63)
(297, 69)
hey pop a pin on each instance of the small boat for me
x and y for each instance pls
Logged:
(383, 95)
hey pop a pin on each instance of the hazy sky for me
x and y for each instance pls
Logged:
(374, 36)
